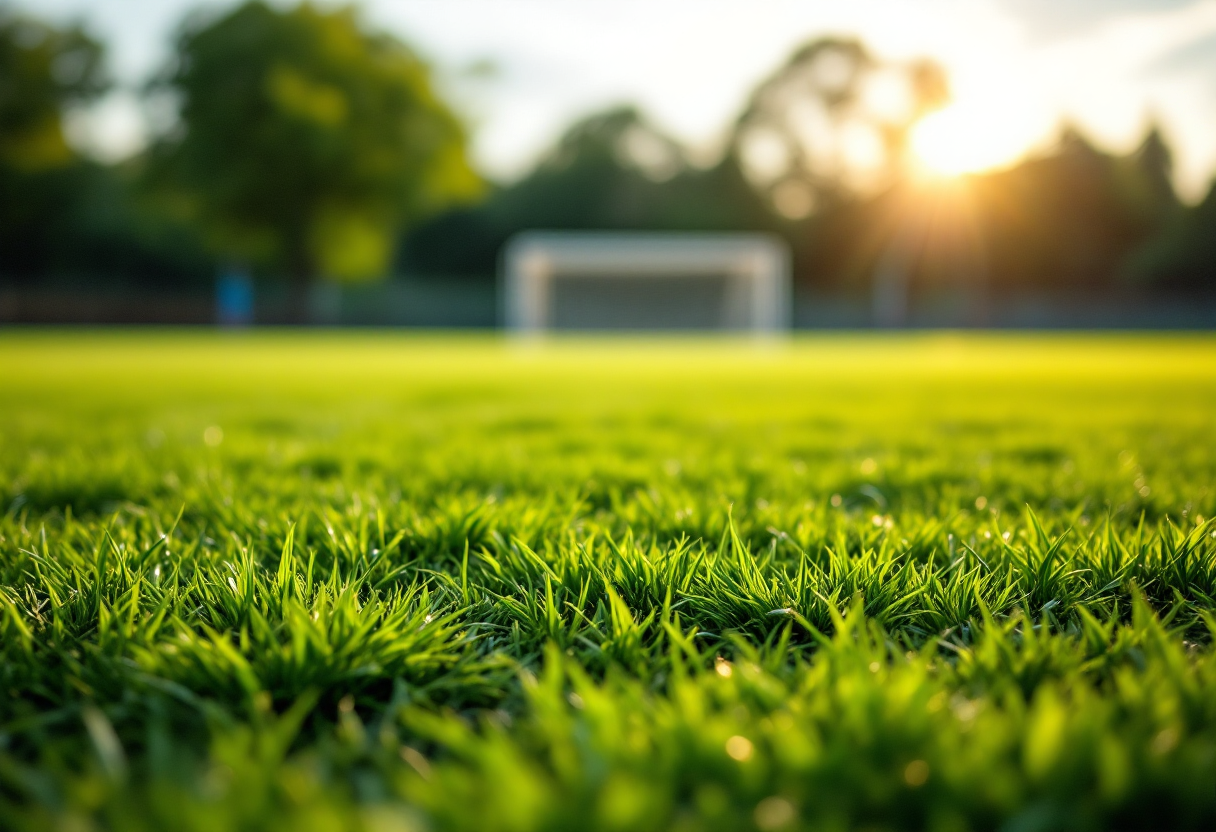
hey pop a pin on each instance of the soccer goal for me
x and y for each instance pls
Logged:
(645, 281)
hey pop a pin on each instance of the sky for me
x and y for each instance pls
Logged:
(1019, 69)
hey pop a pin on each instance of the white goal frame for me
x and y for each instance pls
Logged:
(756, 268)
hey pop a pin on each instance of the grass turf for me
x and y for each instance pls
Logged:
(322, 581)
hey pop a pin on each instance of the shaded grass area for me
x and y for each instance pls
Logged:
(371, 582)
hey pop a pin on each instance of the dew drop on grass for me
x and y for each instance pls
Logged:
(739, 748)
(1164, 742)
(416, 761)
(916, 774)
(965, 710)
(774, 813)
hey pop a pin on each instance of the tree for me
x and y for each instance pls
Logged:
(43, 72)
(1183, 255)
(1067, 219)
(613, 169)
(305, 141)
(615, 156)
(832, 123)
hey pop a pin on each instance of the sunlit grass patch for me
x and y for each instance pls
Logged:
(364, 581)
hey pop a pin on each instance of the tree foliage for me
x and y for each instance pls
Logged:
(789, 165)
(64, 218)
(43, 70)
(306, 141)
(832, 122)
(1183, 255)
(613, 169)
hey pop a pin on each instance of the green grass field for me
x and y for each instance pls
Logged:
(324, 581)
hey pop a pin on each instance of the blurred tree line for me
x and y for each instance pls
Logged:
(63, 217)
(308, 146)
(1073, 218)
(303, 145)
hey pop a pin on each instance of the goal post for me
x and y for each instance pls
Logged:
(552, 280)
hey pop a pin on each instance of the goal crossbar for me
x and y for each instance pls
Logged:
(750, 271)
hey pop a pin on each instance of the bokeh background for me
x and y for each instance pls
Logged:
(1011, 163)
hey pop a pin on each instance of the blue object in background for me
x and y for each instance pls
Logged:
(234, 298)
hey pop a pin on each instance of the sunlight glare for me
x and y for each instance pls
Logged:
(960, 139)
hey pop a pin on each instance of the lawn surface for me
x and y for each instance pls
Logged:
(366, 581)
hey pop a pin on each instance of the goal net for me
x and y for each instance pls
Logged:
(645, 281)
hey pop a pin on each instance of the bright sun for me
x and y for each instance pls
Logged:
(960, 139)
